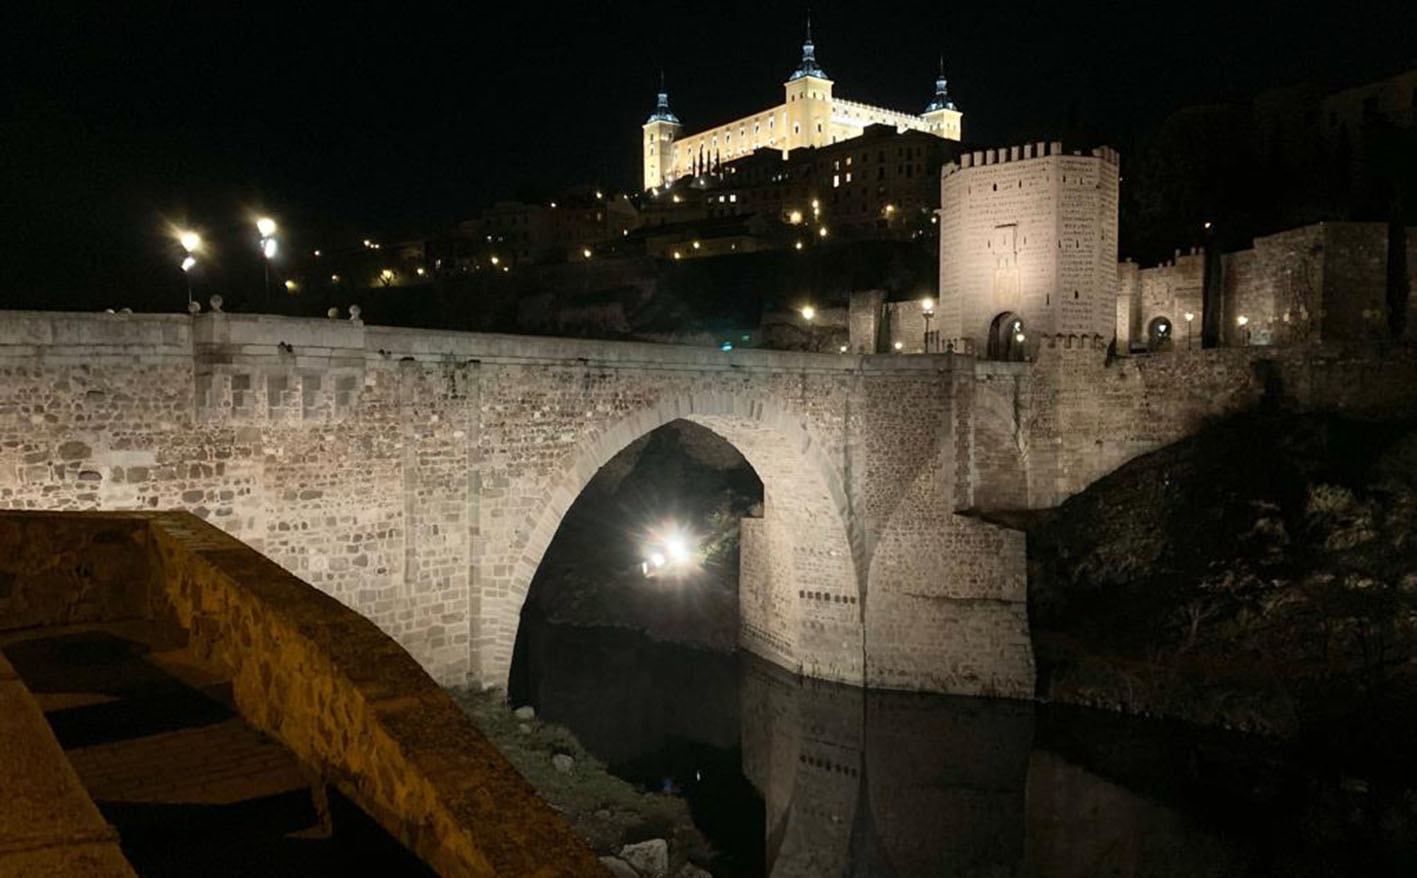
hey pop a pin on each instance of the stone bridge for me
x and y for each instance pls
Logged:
(418, 476)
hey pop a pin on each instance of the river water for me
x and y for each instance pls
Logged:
(793, 777)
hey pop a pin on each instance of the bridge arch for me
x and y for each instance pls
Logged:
(799, 594)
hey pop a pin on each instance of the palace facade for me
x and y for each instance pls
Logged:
(810, 115)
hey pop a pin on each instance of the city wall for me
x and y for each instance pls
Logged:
(1044, 430)
(1166, 293)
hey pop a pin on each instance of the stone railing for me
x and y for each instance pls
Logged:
(343, 697)
(48, 823)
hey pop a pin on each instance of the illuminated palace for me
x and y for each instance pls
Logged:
(809, 116)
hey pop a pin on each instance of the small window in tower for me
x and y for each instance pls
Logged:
(796, 129)
(836, 181)
(819, 127)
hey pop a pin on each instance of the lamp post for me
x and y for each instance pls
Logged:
(927, 310)
(1242, 321)
(1189, 317)
(190, 241)
(808, 312)
(267, 228)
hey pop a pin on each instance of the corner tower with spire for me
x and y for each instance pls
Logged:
(661, 129)
(808, 101)
(941, 114)
(810, 115)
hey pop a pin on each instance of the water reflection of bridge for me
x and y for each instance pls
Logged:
(875, 783)
(861, 782)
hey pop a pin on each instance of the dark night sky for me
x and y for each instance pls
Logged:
(390, 119)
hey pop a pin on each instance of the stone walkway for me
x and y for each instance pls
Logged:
(190, 787)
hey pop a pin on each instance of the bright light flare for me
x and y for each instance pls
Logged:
(266, 226)
(677, 548)
(808, 312)
(189, 263)
(669, 549)
(190, 241)
(269, 248)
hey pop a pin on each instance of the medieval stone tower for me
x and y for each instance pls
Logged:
(1028, 247)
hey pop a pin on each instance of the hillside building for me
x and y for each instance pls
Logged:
(810, 115)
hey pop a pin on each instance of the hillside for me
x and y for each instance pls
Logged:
(1260, 575)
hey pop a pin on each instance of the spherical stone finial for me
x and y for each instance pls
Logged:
(333, 313)
(194, 307)
(215, 301)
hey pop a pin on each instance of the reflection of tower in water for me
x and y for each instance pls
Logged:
(860, 783)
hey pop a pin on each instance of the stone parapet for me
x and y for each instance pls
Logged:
(48, 824)
(321, 679)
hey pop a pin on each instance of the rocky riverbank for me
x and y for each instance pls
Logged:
(1261, 575)
(649, 834)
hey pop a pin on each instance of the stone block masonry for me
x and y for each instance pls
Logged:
(1028, 232)
(418, 476)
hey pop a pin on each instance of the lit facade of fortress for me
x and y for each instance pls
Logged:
(809, 116)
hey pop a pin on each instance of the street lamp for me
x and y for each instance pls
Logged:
(927, 310)
(267, 229)
(191, 242)
(808, 312)
(1189, 317)
(1242, 321)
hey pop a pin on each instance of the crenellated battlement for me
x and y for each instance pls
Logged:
(1025, 152)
